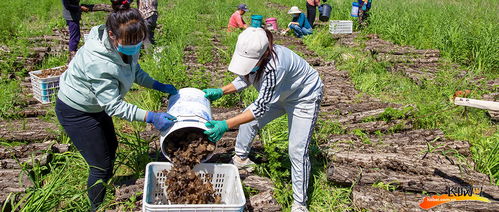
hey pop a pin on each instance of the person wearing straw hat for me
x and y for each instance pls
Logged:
(286, 84)
(236, 19)
(299, 24)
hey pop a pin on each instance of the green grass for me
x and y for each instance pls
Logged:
(465, 32)
(431, 99)
(323, 195)
(62, 184)
(433, 108)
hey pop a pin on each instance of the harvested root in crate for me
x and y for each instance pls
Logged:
(51, 72)
(184, 186)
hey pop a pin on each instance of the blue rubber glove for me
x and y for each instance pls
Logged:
(213, 93)
(216, 130)
(165, 88)
(161, 121)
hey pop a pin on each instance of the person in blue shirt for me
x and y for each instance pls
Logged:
(299, 24)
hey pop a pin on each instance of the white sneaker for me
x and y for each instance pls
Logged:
(298, 208)
(246, 164)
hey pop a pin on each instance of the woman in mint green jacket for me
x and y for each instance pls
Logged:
(93, 88)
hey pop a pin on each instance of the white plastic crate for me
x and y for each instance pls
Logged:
(44, 89)
(225, 180)
(340, 27)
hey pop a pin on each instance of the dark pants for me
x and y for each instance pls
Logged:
(94, 137)
(311, 10)
(74, 34)
(151, 25)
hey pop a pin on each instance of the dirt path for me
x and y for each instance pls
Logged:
(41, 47)
(30, 125)
(412, 161)
(12, 159)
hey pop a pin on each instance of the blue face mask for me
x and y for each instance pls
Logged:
(129, 49)
(255, 69)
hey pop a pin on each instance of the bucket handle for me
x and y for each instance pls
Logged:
(191, 120)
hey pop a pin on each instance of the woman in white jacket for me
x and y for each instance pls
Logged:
(287, 84)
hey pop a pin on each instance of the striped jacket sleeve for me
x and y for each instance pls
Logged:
(268, 94)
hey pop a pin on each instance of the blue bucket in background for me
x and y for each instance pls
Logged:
(256, 20)
(355, 9)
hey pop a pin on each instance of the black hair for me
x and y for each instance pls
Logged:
(126, 23)
(267, 56)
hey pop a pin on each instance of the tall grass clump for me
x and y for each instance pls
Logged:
(465, 31)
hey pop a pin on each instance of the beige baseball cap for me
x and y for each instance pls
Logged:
(250, 46)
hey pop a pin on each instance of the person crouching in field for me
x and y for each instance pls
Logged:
(93, 87)
(236, 19)
(71, 11)
(149, 11)
(287, 85)
(299, 24)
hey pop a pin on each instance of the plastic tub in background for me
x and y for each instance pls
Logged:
(256, 20)
(225, 180)
(271, 24)
(192, 110)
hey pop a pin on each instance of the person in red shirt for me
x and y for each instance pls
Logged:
(236, 20)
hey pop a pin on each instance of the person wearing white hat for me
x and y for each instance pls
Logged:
(286, 84)
(299, 24)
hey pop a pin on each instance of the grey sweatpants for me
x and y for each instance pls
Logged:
(302, 116)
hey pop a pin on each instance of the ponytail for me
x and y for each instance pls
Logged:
(267, 56)
(120, 4)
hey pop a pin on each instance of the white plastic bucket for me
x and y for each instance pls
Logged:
(192, 110)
